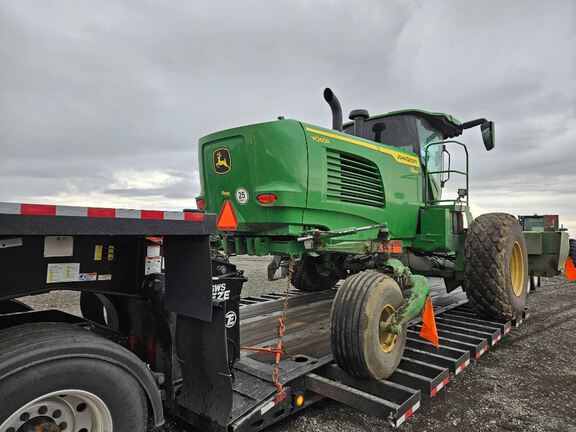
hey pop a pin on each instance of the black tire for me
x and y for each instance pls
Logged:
(41, 359)
(493, 241)
(310, 275)
(572, 253)
(92, 308)
(356, 312)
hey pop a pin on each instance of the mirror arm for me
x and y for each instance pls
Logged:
(473, 123)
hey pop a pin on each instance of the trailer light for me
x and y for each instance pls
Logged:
(299, 400)
(266, 198)
(200, 203)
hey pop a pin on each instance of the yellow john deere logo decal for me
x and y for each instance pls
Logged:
(399, 157)
(222, 161)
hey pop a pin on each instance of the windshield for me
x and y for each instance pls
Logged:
(405, 131)
(410, 133)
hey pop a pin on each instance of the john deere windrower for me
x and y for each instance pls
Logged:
(363, 202)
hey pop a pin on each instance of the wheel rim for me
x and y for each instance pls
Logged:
(322, 270)
(517, 269)
(387, 339)
(61, 411)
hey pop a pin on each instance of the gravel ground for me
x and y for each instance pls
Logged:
(526, 383)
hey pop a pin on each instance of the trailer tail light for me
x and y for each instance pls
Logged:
(227, 220)
(201, 204)
(266, 198)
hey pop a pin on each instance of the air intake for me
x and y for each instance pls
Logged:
(353, 179)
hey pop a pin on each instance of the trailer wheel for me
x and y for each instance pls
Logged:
(363, 302)
(310, 275)
(56, 377)
(496, 266)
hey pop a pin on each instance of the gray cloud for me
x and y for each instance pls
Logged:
(100, 100)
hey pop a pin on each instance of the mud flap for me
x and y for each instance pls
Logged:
(206, 394)
(205, 398)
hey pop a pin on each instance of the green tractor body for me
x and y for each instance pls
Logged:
(363, 202)
(322, 179)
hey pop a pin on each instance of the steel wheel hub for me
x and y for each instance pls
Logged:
(61, 411)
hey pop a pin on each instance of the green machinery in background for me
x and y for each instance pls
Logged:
(362, 201)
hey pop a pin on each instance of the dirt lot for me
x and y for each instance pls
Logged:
(526, 383)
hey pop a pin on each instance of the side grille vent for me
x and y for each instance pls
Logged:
(353, 179)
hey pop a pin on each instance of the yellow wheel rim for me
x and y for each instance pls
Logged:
(517, 269)
(387, 339)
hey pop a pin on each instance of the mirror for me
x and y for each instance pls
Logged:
(487, 130)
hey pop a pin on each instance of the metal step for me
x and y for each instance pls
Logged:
(381, 398)
(429, 379)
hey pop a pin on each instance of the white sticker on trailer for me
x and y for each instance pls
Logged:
(58, 246)
(63, 272)
(10, 242)
(153, 265)
(153, 251)
(88, 277)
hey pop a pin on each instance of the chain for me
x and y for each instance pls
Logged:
(281, 329)
(279, 349)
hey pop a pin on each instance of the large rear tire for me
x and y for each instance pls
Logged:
(311, 275)
(359, 346)
(572, 253)
(496, 266)
(56, 377)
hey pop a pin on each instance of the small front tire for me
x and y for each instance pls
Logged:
(360, 347)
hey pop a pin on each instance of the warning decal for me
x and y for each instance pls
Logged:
(64, 272)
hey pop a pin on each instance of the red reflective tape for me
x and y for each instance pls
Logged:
(101, 212)
(439, 387)
(151, 214)
(409, 413)
(482, 351)
(194, 217)
(462, 367)
(38, 209)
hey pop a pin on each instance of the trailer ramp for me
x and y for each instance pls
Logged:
(310, 371)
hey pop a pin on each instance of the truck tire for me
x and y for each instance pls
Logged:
(572, 253)
(310, 275)
(58, 377)
(496, 266)
(359, 347)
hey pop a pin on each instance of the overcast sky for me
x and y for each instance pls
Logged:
(102, 102)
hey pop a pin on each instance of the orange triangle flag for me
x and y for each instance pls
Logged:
(570, 269)
(429, 330)
(227, 220)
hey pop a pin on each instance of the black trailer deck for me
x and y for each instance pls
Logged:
(198, 343)
(310, 371)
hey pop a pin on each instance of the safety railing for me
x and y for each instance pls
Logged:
(428, 176)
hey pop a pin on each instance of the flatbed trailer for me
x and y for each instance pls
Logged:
(156, 305)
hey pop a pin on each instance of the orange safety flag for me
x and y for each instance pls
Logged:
(429, 330)
(570, 270)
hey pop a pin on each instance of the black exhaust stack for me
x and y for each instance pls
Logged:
(332, 100)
